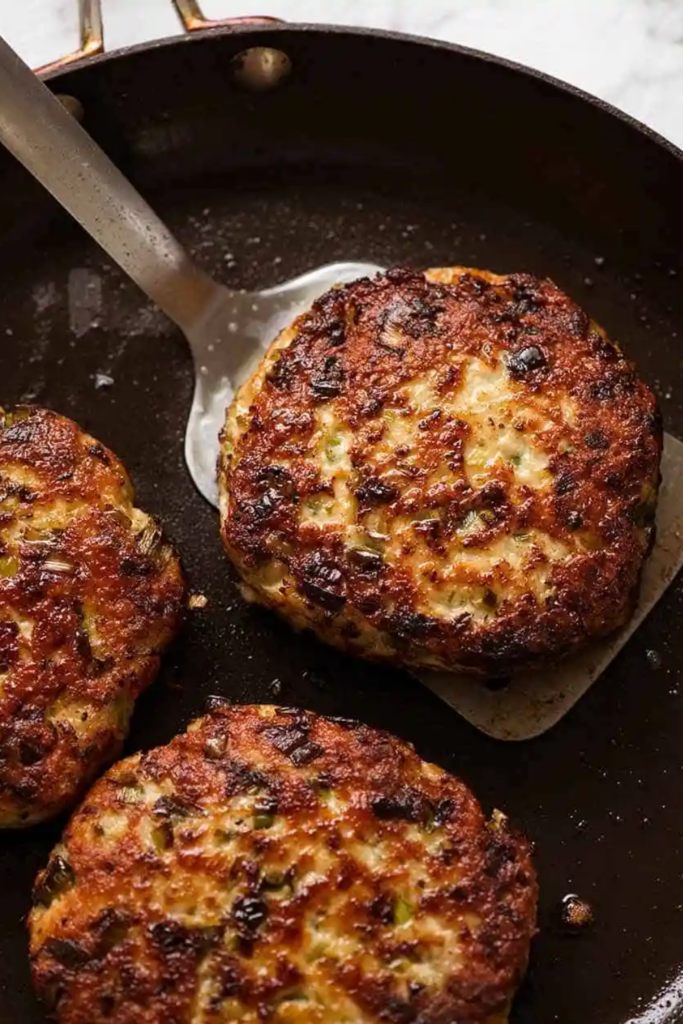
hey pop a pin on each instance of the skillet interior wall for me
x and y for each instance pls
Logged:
(382, 150)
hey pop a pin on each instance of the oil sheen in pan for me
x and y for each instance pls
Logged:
(531, 702)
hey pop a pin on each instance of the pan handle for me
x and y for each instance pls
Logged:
(193, 20)
(92, 31)
(92, 37)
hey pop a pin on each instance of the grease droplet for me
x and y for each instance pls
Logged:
(103, 381)
(654, 658)
(275, 688)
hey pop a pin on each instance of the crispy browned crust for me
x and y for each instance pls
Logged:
(353, 353)
(273, 865)
(89, 597)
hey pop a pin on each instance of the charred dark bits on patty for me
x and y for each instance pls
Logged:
(472, 472)
(525, 360)
(324, 873)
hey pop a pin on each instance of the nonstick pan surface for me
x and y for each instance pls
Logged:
(400, 152)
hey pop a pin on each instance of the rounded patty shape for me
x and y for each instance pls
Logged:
(90, 594)
(273, 865)
(453, 470)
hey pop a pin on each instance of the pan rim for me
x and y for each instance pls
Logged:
(315, 28)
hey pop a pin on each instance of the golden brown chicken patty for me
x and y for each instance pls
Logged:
(90, 594)
(450, 470)
(271, 865)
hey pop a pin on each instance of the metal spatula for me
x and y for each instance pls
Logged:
(226, 330)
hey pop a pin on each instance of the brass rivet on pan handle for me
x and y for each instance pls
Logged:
(192, 18)
(73, 105)
(92, 36)
(260, 72)
(261, 68)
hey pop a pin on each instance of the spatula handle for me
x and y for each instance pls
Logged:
(53, 146)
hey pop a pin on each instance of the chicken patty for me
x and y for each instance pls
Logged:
(451, 470)
(90, 594)
(271, 865)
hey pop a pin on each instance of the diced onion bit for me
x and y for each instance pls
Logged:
(263, 820)
(57, 878)
(59, 566)
(130, 794)
(403, 911)
(294, 997)
(426, 515)
(10, 418)
(469, 520)
(215, 746)
(392, 338)
(115, 931)
(265, 810)
(498, 821)
(149, 539)
(332, 449)
(9, 565)
(196, 601)
(374, 542)
(162, 837)
(224, 835)
(275, 880)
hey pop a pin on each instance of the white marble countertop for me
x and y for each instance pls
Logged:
(629, 52)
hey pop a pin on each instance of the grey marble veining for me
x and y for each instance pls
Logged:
(629, 52)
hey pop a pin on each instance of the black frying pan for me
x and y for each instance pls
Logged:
(399, 151)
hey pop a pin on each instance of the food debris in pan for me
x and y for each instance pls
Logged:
(576, 914)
